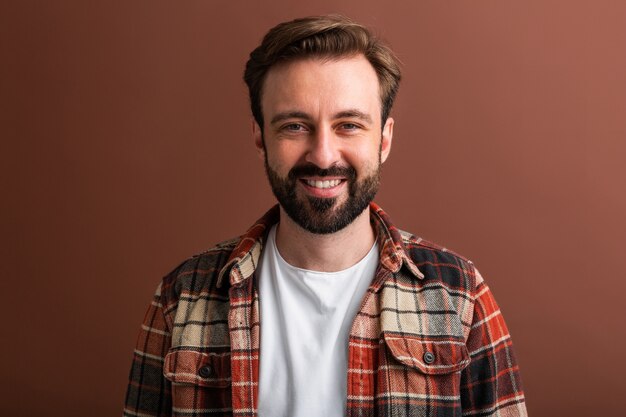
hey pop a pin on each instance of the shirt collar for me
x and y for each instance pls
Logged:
(245, 257)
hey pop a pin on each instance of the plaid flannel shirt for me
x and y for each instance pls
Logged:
(429, 339)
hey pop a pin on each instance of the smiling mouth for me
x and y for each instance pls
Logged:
(322, 184)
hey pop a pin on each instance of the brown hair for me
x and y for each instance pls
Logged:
(321, 36)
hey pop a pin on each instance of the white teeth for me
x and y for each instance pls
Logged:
(323, 184)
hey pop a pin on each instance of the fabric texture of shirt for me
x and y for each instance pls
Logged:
(429, 339)
(306, 319)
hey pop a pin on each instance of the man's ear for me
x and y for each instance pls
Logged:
(387, 136)
(257, 134)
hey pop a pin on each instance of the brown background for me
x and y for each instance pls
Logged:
(126, 147)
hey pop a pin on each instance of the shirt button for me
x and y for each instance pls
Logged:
(429, 357)
(206, 371)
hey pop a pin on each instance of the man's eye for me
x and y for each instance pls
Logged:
(293, 127)
(349, 126)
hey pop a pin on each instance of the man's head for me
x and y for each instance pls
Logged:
(321, 90)
(331, 36)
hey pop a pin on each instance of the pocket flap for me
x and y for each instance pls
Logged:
(198, 368)
(430, 356)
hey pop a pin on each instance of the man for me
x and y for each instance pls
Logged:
(323, 307)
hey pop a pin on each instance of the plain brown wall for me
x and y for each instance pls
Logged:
(126, 147)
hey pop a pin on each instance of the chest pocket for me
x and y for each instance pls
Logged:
(198, 368)
(429, 356)
(421, 375)
(201, 382)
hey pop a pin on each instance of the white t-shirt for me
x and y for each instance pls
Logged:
(305, 323)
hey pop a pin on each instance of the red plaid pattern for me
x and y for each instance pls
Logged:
(429, 339)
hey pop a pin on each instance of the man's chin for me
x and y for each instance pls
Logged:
(323, 216)
(321, 205)
(319, 217)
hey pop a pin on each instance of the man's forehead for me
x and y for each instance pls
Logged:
(346, 84)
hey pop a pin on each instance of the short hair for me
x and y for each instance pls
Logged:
(331, 36)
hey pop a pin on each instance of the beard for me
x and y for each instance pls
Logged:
(323, 215)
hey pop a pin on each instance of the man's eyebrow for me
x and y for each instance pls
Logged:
(289, 115)
(350, 113)
(354, 113)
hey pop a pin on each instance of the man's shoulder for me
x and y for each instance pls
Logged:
(417, 244)
(199, 273)
(438, 262)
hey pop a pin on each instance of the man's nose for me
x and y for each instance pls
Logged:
(323, 149)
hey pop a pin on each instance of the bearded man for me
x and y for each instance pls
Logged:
(323, 307)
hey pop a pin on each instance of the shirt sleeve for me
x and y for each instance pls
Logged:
(149, 393)
(490, 384)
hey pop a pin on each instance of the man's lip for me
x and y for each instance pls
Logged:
(330, 178)
(320, 192)
(338, 180)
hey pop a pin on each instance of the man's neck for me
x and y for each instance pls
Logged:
(324, 252)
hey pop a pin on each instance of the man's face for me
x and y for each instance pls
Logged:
(323, 142)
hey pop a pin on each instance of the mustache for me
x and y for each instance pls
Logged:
(313, 170)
